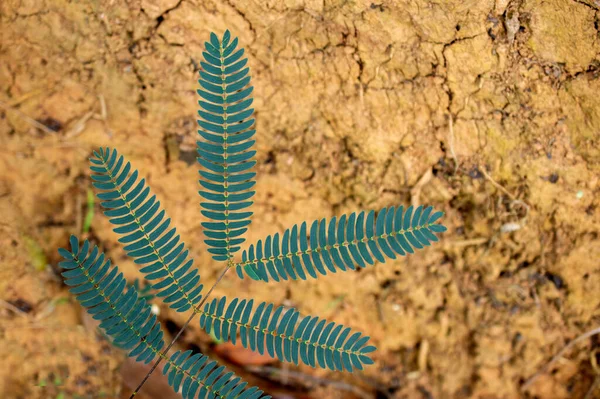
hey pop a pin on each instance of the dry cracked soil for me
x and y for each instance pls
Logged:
(486, 109)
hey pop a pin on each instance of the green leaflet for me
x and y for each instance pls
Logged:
(199, 377)
(128, 319)
(100, 289)
(279, 332)
(145, 230)
(340, 245)
(225, 153)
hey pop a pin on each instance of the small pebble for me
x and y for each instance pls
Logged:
(510, 227)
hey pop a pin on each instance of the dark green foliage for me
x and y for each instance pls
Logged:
(227, 157)
(145, 230)
(100, 288)
(198, 375)
(225, 152)
(276, 330)
(340, 245)
(130, 323)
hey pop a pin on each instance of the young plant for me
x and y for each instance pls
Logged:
(226, 179)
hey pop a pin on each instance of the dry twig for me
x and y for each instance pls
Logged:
(495, 184)
(26, 118)
(451, 141)
(14, 309)
(309, 379)
(415, 192)
(593, 388)
(568, 346)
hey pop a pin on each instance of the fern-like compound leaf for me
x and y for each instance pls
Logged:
(100, 288)
(225, 151)
(281, 334)
(145, 230)
(340, 245)
(129, 321)
(199, 377)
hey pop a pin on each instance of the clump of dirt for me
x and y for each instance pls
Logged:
(485, 109)
(45, 350)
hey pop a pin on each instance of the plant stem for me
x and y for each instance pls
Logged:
(164, 353)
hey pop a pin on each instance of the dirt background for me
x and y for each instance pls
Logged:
(486, 109)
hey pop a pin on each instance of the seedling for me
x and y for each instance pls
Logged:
(309, 250)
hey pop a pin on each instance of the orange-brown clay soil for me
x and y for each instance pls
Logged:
(487, 109)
